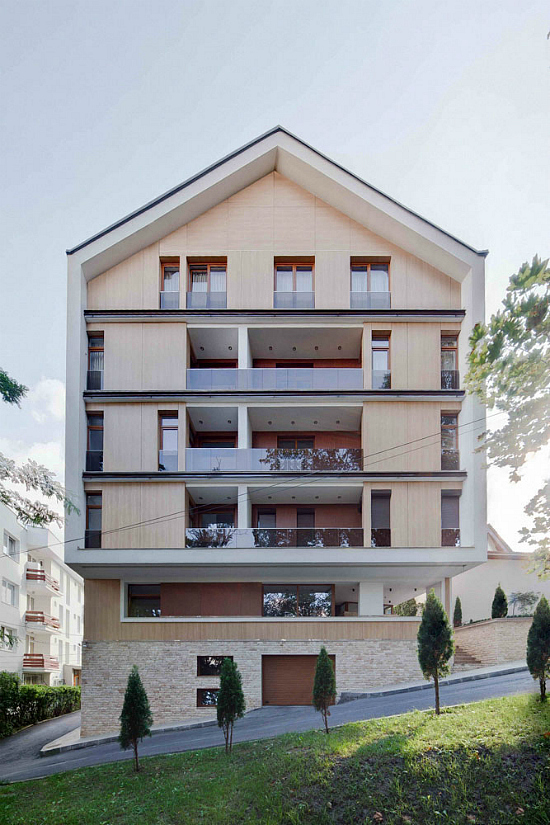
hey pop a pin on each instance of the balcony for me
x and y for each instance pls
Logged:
(36, 662)
(92, 539)
(381, 380)
(169, 300)
(230, 537)
(294, 300)
(380, 537)
(168, 461)
(450, 380)
(450, 537)
(39, 582)
(273, 380)
(207, 300)
(94, 380)
(450, 460)
(211, 460)
(370, 300)
(38, 622)
(94, 461)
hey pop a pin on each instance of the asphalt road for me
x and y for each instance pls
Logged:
(20, 760)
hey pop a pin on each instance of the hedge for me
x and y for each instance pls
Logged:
(22, 705)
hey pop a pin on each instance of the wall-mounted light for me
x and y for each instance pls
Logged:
(315, 422)
(201, 349)
(229, 348)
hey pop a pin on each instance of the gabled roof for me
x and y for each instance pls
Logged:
(276, 150)
(502, 548)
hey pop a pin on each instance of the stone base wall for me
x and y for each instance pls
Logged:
(169, 673)
(496, 640)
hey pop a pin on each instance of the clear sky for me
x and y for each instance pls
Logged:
(443, 105)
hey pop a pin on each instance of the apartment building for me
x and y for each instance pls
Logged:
(267, 433)
(41, 606)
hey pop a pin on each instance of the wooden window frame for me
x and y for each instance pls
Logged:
(214, 508)
(92, 506)
(354, 262)
(450, 348)
(208, 264)
(93, 427)
(145, 596)
(172, 264)
(294, 264)
(381, 336)
(296, 439)
(209, 675)
(451, 426)
(95, 348)
(217, 436)
(161, 428)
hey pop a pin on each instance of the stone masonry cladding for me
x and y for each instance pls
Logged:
(169, 673)
(496, 640)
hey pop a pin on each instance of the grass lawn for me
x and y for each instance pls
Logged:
(482, 763)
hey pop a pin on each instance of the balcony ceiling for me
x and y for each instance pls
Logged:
(216, 342)
(296, 492)
(281, 419)
(214, 419)
(302, 342)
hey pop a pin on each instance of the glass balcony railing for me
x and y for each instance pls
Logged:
(381, 380)
(450, 537)
(294, 300)
(225, 459)
(206, 300)
(94, 380)
(169, 300)
(370, 300)
(94, 461)
(92, 539)
(450, 380)
(450, 460)
(380, 537)
(273, 379)
(231, 537)
(168, 461)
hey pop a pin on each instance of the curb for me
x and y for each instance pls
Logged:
(453, 680)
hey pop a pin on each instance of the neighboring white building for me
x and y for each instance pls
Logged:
(476, 588)
(41, 604)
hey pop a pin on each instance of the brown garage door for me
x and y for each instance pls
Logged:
(288, 680)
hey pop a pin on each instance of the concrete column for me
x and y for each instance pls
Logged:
(371, 598)
(245, 356)
(244, 508)
(244, 441)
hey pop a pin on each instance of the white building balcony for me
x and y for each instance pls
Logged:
(39, 583)
(38, 622)
(40, 663)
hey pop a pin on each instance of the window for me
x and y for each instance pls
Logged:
(94, 454)
(294, 286)
(168, 441)
(68, 591)
(449, 362)
(10, 545)
(10, 593)
(144, 600)
(288, 600)
(381, 373)
(266, 518)
(67, 622)
(450, 515)
(207, 697)
(380, 518)
(449, 441)
(217, 520)
(210, 665)
(8, 638)
(95, 361)
(207, 286)
(170, 285)
(370, 285)
(285, 443)
(93, 520)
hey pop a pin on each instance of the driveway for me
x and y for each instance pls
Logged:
(19, 756)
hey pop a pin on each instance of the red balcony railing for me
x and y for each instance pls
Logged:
(40, 661)
(36, 574)
(38, 617)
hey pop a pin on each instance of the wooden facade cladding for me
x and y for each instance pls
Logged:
(211, 599)
(102, 623)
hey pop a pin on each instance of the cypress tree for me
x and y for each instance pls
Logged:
(135, 719)
(457, 615)
(324, 686)
(538, 646)
(500, 604)
(231, 705)
(435, 643)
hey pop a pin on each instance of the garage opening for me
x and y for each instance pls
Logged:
(288, 680)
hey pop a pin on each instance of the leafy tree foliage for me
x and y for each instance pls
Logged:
(231, 705)
(324, 686)
(10, 391)
(499, 608)
(509, 370)
(136, 718)
(538, 646)
(457, 615)
(523, 601)
(435, 643)
(408, 608)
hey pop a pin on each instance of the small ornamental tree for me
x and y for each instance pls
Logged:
(499, 608)
(408, 608)
(538, 646)
(231, 705)
(457, 615)
(136, 718)
(324, 686)
(435, 643)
